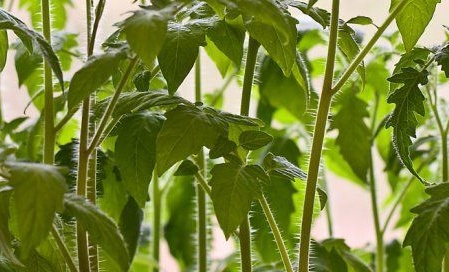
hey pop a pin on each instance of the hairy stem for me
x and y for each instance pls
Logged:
(277, 234)
(317, 143)
(245, 233)
(156, 221)
(64, 251)
(200, 194)
(375, 210)
(330, 226)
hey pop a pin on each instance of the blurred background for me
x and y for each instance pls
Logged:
(350, 204)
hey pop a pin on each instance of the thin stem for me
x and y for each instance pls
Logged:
(375, 210)
(156, 221)
(203, 183)
(245, 233)
(361, 55)
(110, 109)
(329, 220)
(64, 251)
(277, 234)
(201, 195)
(317, 143)
(98, 14)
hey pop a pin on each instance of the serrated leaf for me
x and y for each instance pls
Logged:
(186, 168)
(354, 136)
(135, 152)
(180, 227)
(4, 46)
(185, 131)
(179, 53)
(129, 225)
(281, 49)
(30, 38)
(344, 251)
(320, 16)
(254, 139)
(350, 48)
(228, 39)
(222, 147)
(100, 227)
(442, 58)
(38, 194)
(233, 188)
(280, 166)
(426, 236)
(95, 72)
(413, 19)
(145, 32)
(408, 99)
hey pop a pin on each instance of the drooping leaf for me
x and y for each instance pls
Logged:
(354, 136)
(233, 188)
(228, 39)
(5, 236)
(38, 194)
(179, 53)
(186, 168)
(95, 72)
(135, 152)
(350, 48)
(222, 62)
(129, 225)
(413, 19)
(254, 139)
(145, 32)
(427, 236)
(282, 49)
(442, 58)
(180, 228)
(102, 230)
(4, 46)
(320, 16)
(281, 167)
(30, 38)
(222, 147)
(408, 99)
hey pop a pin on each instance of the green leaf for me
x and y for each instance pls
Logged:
(427, 236)
(5, 236)
(324, 260)
(180, 228)
(186, 168)
(360, 20)
(30, 38)
(233, 188)
(341, 248)
(145, 32)
(222, 147)
(442, 58)
(254, 139)
(408, 99)
(102, 230)
(58, 12)
(129, 225)
(413, 19)
(222, 62)
(354, 136)
(282, 49)
(179, 53)
(185, 131)
(280, 91)
(95, 72)
(320, 16)
(138, 101)
(281, 167)
(4, 46)
(135, 152)
(228, 39)
(350, 48)
(38, 193)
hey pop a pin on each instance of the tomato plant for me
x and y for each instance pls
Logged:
(117, 161)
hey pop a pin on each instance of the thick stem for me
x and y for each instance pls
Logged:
(156, 222)
(200, 194)
(277, 234)
(317, 143)
(362, 54)
(245, 232)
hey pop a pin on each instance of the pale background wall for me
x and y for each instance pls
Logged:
(350, 204)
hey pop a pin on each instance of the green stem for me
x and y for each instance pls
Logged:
(277, 234)
(203, 183)
(375, 210)
(317, 143)
(329, 220)
(362, 54)
(110, 109)
(201, 195)
(64, 251)
(156, 221)
(245, 233)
